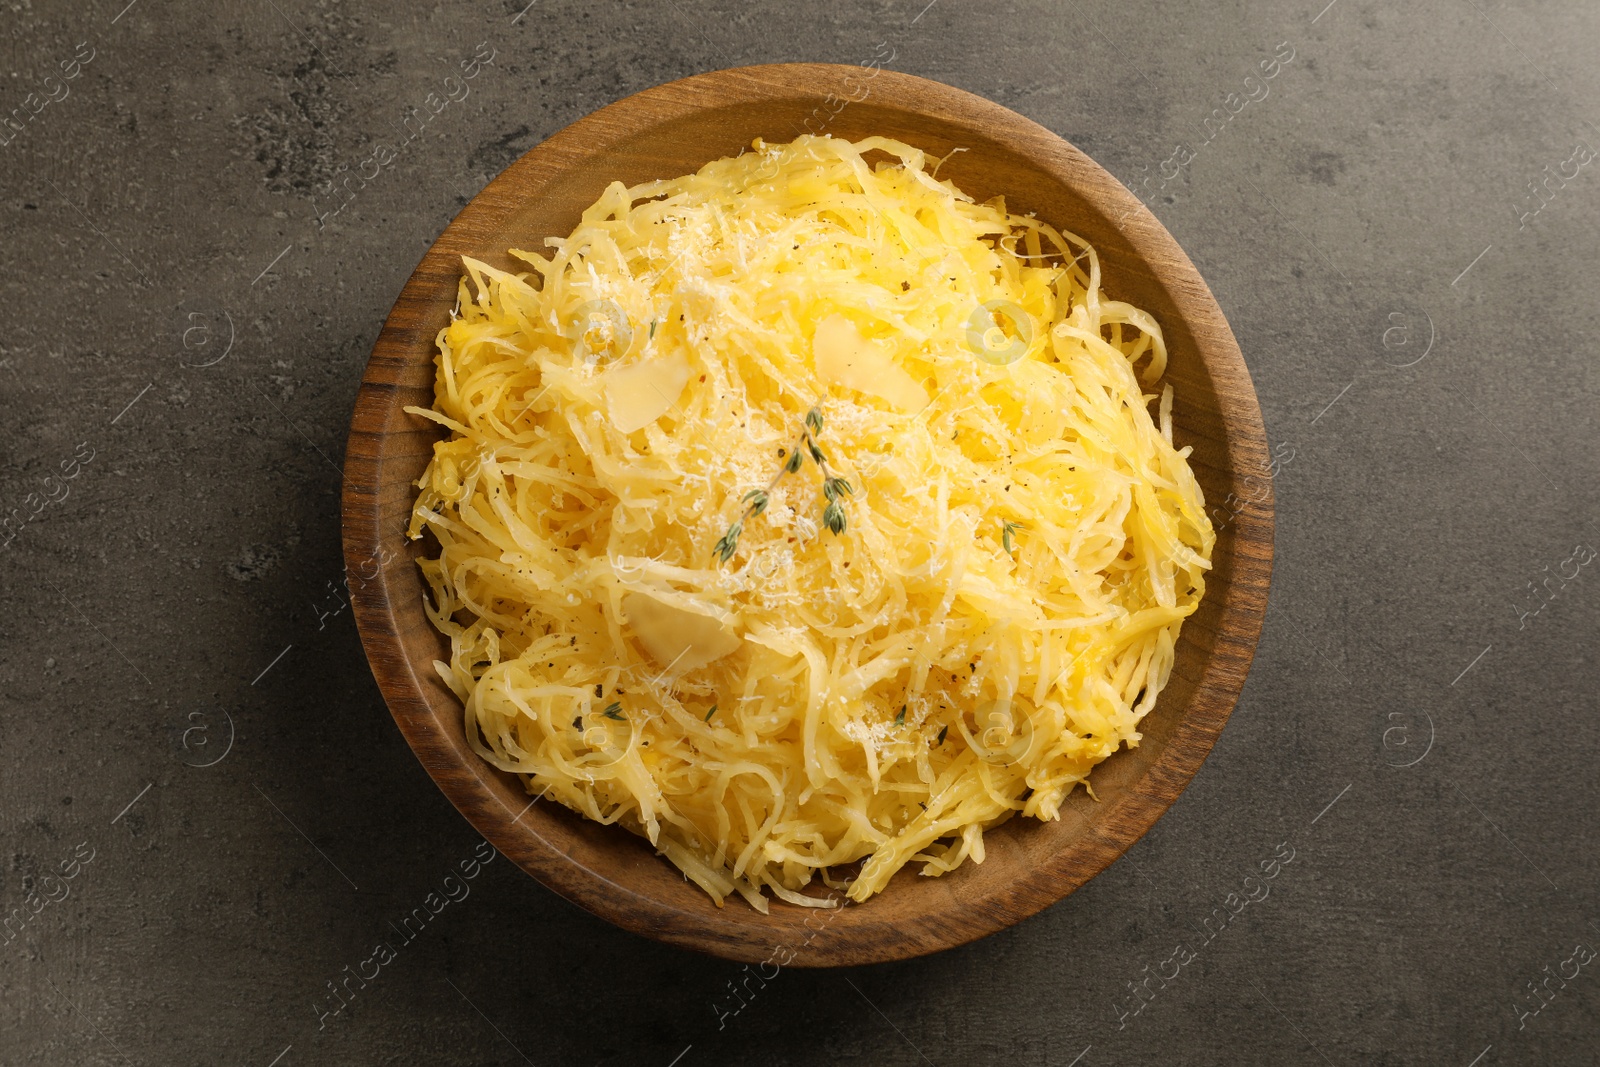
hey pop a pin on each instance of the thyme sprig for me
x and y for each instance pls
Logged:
(1007, 531)
(834, 488)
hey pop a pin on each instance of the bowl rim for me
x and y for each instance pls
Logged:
(721, 933)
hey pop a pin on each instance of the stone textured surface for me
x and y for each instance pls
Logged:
(175, 607)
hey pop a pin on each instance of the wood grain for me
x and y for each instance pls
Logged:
(674, 129)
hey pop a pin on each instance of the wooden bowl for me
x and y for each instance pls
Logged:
(673, 129)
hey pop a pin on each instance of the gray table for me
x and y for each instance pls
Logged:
(1417, 733)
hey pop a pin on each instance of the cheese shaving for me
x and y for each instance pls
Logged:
(999, 613)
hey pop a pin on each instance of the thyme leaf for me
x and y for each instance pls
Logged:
(728, 542)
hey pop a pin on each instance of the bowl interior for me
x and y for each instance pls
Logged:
(672, 130)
